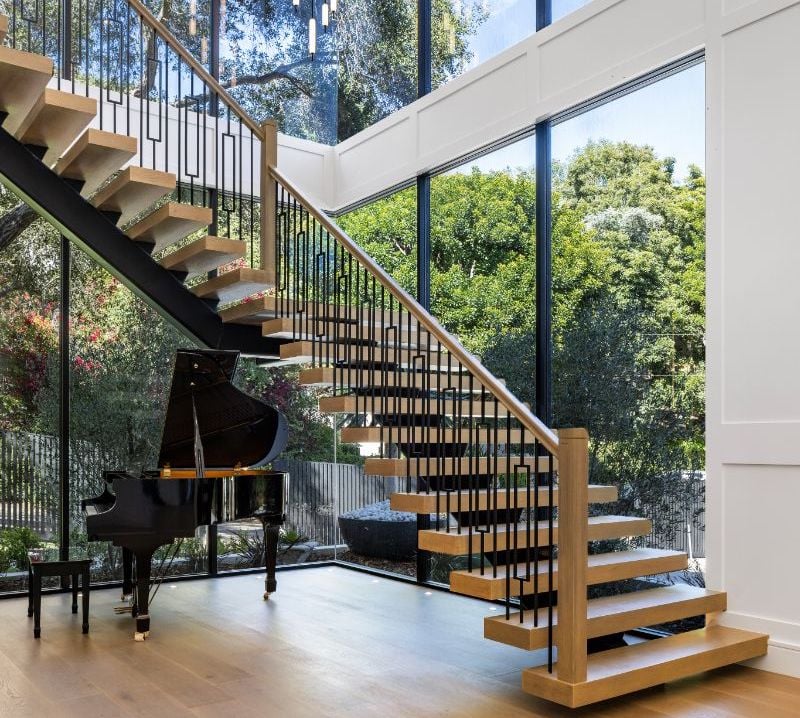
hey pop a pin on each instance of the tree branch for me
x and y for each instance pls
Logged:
(14, 222)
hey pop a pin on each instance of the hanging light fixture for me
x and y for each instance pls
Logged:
(193, 18)
(327, 16)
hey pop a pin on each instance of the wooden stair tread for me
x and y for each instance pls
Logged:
(464, 466)
(483, 499)
(169, 224)
(399, 354)
(302, 327)
(204, 255)
(234, 285)
(651, 663)
(602, 568)
(133, 191)
(56, 121)
(433, 435)
(23, 79)
(268, 307)
(608, 615)
(351, 404)
(95, 157)
(323, 376)
(459, 544)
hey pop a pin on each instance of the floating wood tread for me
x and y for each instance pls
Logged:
(451, 380)
(608, 615)
(459, 544)
(234, 285)
(306, 326)
(132, 191)
(3, 27)
(432, 435)
(463, 466)
(23, 79)
(485, 499)
(403, 355)
(643, 665)
(351, 404)
(95, 157)
(169, 224)
(204, 255)
(602, 568)
(260, 310)
(55, 122)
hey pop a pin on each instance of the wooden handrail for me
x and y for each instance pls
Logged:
(521, 412)
(190, 60)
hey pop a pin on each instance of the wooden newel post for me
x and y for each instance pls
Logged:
(573, 553)
(269, 159)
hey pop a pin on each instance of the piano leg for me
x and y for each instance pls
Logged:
(143, 568)
(271, 535)
(127, 573)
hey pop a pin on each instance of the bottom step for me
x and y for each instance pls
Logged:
(643, 665)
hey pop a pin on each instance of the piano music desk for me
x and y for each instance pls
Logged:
(73, 568)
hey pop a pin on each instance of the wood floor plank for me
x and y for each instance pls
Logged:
(331, 643)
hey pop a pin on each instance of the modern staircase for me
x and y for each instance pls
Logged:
(148, 189)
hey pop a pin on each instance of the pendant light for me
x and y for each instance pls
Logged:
(327, 16)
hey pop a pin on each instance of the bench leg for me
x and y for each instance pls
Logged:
(85, 589)
(30, 591)
(37, 605)
(74, 579)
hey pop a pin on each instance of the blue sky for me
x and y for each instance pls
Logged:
(668, 115)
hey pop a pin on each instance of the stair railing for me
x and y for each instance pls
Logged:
(466, 438)
(149, 85)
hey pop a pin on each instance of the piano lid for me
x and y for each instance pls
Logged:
(235, 428)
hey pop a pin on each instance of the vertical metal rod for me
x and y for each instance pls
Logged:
(66, 43)
(64, 404)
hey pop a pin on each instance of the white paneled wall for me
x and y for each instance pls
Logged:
(753, 335)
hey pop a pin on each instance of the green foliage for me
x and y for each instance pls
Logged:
(628, 301)
(311, 435)
(14, 545)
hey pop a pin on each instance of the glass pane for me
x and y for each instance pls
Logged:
(265, 63)
(629, 301)
(377, 61)
(30, 273)
(466, 33)
(483, 271)
(121, 356)
(387, 230)
(309, 531)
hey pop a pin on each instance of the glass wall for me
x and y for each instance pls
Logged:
(483, 260)
(121, 356)
(466, 33)
(629, 299)
(30, 277)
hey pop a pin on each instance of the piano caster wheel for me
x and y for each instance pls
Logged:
(266, 595)
(140, 636)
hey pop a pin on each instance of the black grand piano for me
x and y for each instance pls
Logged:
(216, 440)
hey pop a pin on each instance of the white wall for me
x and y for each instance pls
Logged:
(753, 295)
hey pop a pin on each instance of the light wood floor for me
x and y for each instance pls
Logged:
(332, 642)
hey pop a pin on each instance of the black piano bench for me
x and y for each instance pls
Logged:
(72, 568)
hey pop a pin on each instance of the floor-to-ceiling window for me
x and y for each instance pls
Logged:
(629, 298)
(30, 313)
